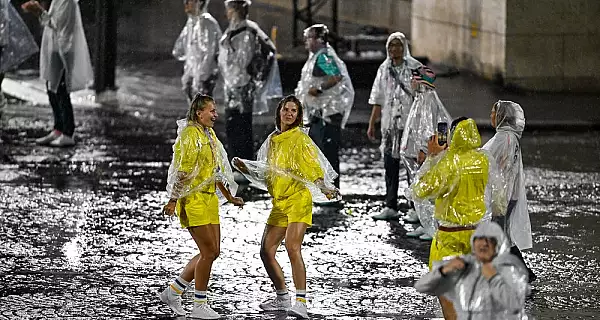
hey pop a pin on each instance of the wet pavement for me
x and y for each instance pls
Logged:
(82, 236)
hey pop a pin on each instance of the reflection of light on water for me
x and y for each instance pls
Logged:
(72, 251)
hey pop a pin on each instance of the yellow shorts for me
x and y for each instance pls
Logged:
(198, 209)
(447, 244)
(296, 208)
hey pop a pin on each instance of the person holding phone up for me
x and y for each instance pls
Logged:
(466, 188)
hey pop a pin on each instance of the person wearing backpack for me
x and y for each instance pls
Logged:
(249, 69)
(325, 89)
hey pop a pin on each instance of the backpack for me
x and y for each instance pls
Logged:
(261, 64)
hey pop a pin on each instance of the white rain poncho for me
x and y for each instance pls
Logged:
(502, 297)
(463, 181)
(288, 162)
(199, 161)
(64, 47)
(426, 112)
(338, 99)
(239, 46)
(15, 39)
(198, 46)
(393, 92)
(506, 148)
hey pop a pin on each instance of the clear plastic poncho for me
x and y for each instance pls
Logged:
(506, 148)
(236, 51)
(463, 181)
(15, 39)
(502, 297)
(288, 162)
(393, 92)
(198, 46)
(199, 161)
(338, 99)
(425, 113)
(64, 47)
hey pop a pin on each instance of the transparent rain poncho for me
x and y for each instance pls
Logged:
(463, 181)
(506, 148)
(238, 46)
(198, 46)
(288, 162)
(15, 39)
(199, 161)
(502, 297)
(338, 99)
(64, 47)
(393, 92)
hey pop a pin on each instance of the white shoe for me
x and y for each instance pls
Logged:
(203, 311)
(387, 214)
(173, 300)
(299, 310)
(426, 237)
(417, 233)
(277, 304)
(411, 216)
(63, 141)
(53, 135)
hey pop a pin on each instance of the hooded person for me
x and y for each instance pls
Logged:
(247, 62)
(16, 42)
(392, 96)
(509, 120)
(326, 90)
(465, 185)
(292, 169)
(488, 283)
(198, 46)
(426, 112)
(199, 180)
(65, 64)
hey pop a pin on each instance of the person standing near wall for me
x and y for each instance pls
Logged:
(64, 64)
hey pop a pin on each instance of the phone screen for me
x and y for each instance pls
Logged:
(442, 133)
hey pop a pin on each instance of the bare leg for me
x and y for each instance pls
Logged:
(293, 243)
(207, 240)
(271, 239)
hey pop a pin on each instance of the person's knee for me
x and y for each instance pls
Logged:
(267, 255)
(293, 249)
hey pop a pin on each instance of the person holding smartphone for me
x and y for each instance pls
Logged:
(427, 117)
(464, 183)
(508, 119)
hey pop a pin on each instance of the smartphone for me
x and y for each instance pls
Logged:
(442, 133)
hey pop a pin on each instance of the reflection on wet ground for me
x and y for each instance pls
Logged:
(82, 233)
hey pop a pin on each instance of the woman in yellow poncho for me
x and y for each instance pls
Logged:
(199, 166)
(294, 172)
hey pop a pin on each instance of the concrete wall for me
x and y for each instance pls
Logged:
(469, 34)
(554, 46)
(545, 45)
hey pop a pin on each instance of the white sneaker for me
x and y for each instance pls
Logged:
(203, 311)
(387, 214)
(299, 310)
(417, 233)
(53, 135)
(411, 216)
(173, 300)
(426, 237)
(63, 141)
(276, 304)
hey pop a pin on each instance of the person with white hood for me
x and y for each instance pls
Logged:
(490, 283)
(248, 64)
(326, 90)
(509, 120)
(16, 44)
(392, 96)
(198, 46)
(64, 64)
(426, 112)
